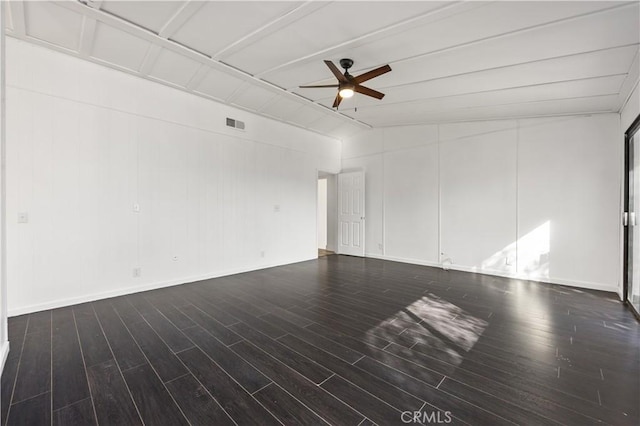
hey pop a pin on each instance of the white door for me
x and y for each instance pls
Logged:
(351, 213)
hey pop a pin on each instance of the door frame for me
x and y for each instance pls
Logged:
(635, 127)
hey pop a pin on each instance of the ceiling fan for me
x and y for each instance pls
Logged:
(348, 84)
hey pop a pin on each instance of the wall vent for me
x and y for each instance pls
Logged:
(237, 124)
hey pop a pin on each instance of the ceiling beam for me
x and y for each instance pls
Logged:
(500, 67)
(88, 31)
(168, 29)
(239, 90)
(18, 18)
(438, 121)
(180, 49)
(87, 35)
(180, 18)
(437, 14)
(512, 32)
(269, 103)
(288, 18)
(416, 102)
(416, 108)
(150, 58)
(96, 4)
(197, 78)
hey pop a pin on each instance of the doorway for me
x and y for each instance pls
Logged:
(326, 213)
(631, 289)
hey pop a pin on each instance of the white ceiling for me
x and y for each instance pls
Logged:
(451, 61)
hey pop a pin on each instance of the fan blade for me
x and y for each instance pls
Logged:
(336, 71)
(337, 101)
(371, 74)
(368, 92)
(323, 85)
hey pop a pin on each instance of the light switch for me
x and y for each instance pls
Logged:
(136, 208)
(23, 217)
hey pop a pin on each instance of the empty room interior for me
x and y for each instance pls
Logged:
(319, 213)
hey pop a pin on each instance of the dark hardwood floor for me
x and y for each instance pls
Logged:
(339, 340)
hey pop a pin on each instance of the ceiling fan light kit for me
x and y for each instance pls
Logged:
(346, 91)
(348, 85)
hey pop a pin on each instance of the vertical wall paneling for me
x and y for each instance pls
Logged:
(4, 343)
(568, 213)
(410, 203)
(478, 186)
(133, 189)
(534, 198)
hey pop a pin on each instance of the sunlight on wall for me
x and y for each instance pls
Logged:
(497, 260)
(528, 256)
(533, 252)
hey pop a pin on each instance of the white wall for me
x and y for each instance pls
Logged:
(4, 343)
(535, 198)
(87, 143)
(322, 213)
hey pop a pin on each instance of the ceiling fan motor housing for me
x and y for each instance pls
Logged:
(346, 63)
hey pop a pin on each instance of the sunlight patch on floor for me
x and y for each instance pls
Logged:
(434, 323)
(448, 320)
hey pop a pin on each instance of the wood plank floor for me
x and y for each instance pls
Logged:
(338, 340)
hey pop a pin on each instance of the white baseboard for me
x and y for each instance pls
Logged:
(161, 284)
(59, 303)
(4, 353)
(403, 260)
(549, 280)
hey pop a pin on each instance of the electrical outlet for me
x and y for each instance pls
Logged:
(137, 272)
(262, 254)
(508, 261)
(276, 208)
(23, 217)
(380, 246)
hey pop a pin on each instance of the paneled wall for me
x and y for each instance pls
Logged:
(111, 176)
(535, 198)
(4, 343)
